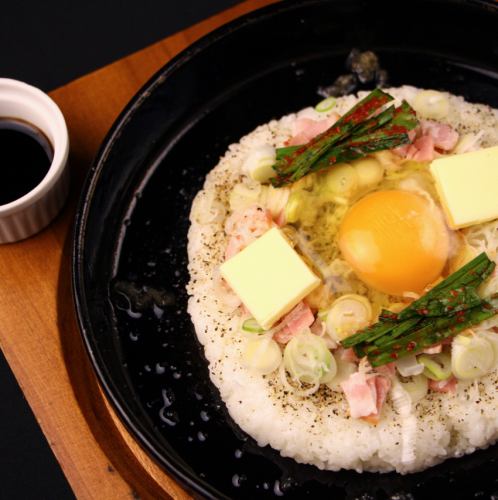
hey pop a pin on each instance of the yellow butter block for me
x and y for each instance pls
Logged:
(468, 186)
(269, 277)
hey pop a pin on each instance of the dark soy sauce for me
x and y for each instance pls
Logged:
(25, 157)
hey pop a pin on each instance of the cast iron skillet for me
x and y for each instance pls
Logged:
(129, 264)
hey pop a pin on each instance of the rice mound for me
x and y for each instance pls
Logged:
(318, 430)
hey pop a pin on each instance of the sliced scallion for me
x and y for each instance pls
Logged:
(437, 366)
(325, 105)
(252, 326)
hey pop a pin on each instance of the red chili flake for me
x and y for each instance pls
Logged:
(450, 308)
(393, 355)
(397, 347)
(327, 133)
(395, 130)
(399, 109)
(411, 345)
(454, 293)
(365, 111)
(423, 312)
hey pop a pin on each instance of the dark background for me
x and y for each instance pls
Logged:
(48, 44)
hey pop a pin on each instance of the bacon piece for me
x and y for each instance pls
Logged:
(361, 395)
(444, 136)
(412, 134)
(426, 139)
(294, 322)
(403, 150)
(306, 128)
(448, 385)
(382, 386)
(366, 394)
(422, 149)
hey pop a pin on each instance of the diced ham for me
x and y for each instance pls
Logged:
(245, 226)
(427, 139)
(403, 150)
(300, 318)
(412, 134)
(422, 149)
(448, 385)
(366, 394)
(361, 394)
(435, 349)
(306, 128)
(382, 386)
(444, 136)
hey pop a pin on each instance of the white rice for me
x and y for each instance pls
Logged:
(318, 430)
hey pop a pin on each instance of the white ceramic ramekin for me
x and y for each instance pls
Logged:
(33, 211)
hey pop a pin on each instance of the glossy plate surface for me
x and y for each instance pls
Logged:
(129, 263)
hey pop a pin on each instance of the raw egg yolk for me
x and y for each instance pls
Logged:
(395, 241)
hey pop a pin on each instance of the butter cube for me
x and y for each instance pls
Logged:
(468, 186)
(269, 277)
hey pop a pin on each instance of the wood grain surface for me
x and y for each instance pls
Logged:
(38, 332)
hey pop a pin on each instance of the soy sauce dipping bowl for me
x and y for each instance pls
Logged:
(129, 279)
(34, 210)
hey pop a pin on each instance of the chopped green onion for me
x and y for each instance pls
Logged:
(443, 312)
(471, 357)
(252, 326)
(437, 366)
(325, 105)
(295, 203)
(307, 359)
(359, 132)
(416, 386)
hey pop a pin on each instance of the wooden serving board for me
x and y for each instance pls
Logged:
(38, 332)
